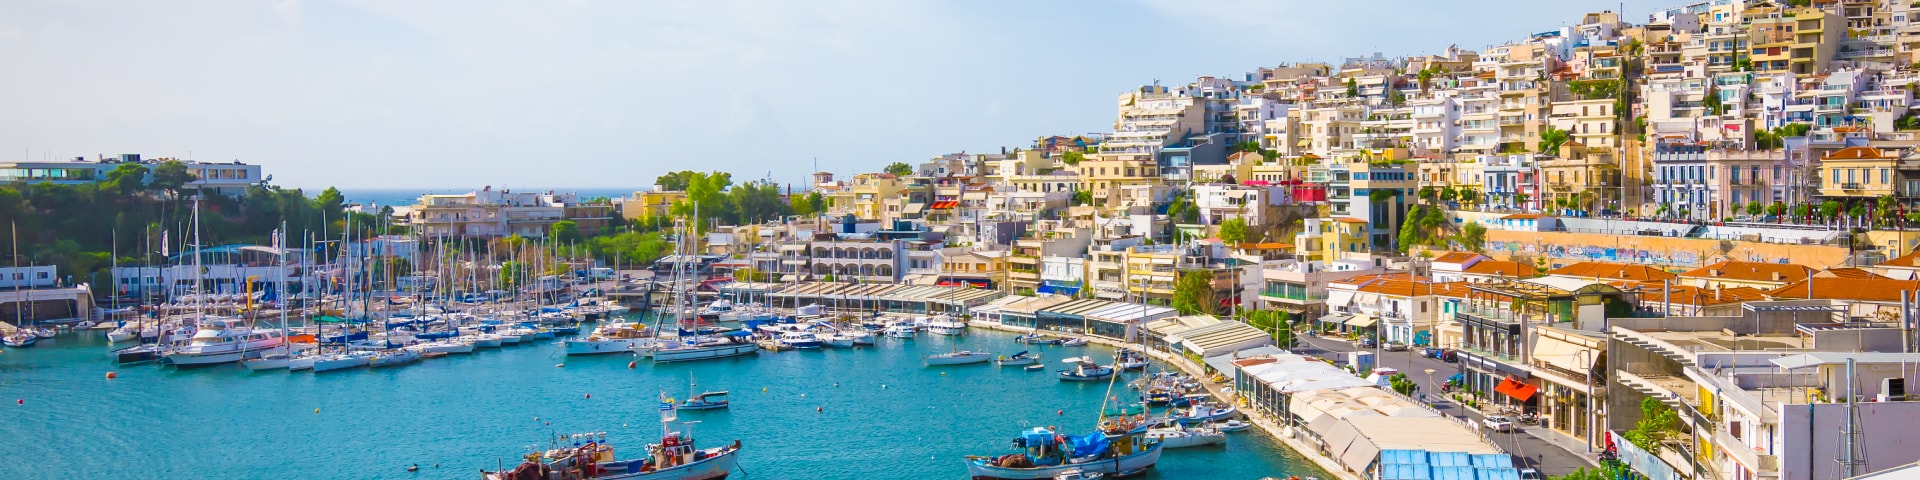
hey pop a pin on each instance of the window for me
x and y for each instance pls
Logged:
(1886, 176)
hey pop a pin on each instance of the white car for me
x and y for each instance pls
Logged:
(1498, 423)
(1530, 474)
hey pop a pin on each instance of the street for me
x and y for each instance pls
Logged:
(1556, 455)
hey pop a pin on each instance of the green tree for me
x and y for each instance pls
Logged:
(799, 205)
(1551, 139)
(1193, 292)
(1073, 158)
(1449, 194)
(676, 181)
(1829, 209)
(1754, 208)
(1426, 79)
(1712, 102)
(330, 203)
(899, 169)
(1473, 237)
(1657, 424)
(171, 176)
(1353, 88)
(757, 201)
(510, 273)
(1409, 235)
(1427, 193)
(1083, 197)
(126, 179)
(1776, 209)
(1401, 384)
(564, 232)
(1233, 231)
(1520, 199)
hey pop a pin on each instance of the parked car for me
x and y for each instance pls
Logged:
(1396, 347)
(1498, 423)
(1366, 342)
(1530, 474)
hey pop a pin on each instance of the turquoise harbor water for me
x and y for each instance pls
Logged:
(888, 417)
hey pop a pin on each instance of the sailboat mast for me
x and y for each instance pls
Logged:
(199, 282)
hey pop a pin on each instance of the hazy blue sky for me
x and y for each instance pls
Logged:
(396, 93)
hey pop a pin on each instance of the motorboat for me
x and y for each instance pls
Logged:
(1078, 474)
(224, 342)
(900, 331)
(138, 354)
(1044, 454)
(1073, 342)
(1031, 338)
(705, 401)
(1130, 360)
(1022, 358)
(480, 340)
(945, 325)
(1232, 425)
(1204, 412)
(799, 340)
(276, 360)
(20, 339)
(714, 310)
(958, 358)
(617, 337)
(45, 332)
(130, 331)
(394, 357)
(1036, 367)
(1183, 437)
(341, 361)
(860, 336)
(1084, 370)
(589, 456)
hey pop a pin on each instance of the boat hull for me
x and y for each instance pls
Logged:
(958, 360)
(606, 346)
(978, 469)
(1187, 439)
(669, 355)
(339, 363)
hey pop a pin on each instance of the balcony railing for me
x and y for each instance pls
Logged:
(1493, 314)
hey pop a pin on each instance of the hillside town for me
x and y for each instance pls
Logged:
(1675, 247)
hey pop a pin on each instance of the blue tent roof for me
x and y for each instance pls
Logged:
(1404, 456)
(1453, 473)
(1450, 459)
(1401, 471)
(1497, 474)
(1492, 460)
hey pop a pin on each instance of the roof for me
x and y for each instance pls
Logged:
(1855, 153)
(1350, 220)
(1263, 246)
(1223, 338)
(1520, 216)
(1614, 271)
(1840, 288)
(1910, 260)
(1501, 267)
(1849, 272)
(1455, 257)
(1692, 295)
(1811, 359)
(1751, 271)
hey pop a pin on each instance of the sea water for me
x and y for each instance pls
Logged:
(868, 412)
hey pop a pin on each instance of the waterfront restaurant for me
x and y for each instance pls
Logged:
(1104, 318)
(1220, 339)
(1266, 382)
(1026, 313)
(1158, 331)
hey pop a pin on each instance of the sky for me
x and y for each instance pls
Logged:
(610, 94)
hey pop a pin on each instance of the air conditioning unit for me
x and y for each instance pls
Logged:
(1893, 389)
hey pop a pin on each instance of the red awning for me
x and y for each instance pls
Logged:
(1516, 389)
(944, 204)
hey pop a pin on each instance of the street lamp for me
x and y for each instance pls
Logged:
(1587, 355)
(1429, 377)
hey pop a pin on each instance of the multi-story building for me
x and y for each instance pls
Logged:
(1105, 173)
(859, 257)
(1382, 188)
(1581, 178)
(226, 179)
(1590, 122)
(868, 196)
(1436, 122)
(498, 213)
(1153, 117)
(646, 204)
(1858, 173)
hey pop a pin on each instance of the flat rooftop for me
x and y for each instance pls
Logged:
(1715, 341)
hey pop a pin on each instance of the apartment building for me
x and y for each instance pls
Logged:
(489, 213)
(1152, 117)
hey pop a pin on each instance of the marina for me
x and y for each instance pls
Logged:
(874, 411)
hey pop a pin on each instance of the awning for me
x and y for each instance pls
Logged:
(1361, 321)
(1513, 388)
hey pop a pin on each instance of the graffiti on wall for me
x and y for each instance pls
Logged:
(1597, 254)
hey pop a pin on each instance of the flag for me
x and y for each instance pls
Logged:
(163, 244)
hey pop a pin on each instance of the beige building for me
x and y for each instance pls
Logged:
(1587, 178)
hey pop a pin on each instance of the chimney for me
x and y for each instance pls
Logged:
(1713, 272)
(1776, 276)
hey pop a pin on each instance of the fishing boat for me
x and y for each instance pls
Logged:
(589, 456)
(617, 337)
(1022, 358)
(20, 339)
(394, 357)
(958, 358)
(704, 400)
(945, 325)
(1045, 454)
(223, 342)
(1084, 370)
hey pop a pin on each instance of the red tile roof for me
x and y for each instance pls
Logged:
(1838, 288)
(1501, 267)
(1910, 260)
(1455, 257)
(1614, 271)
(1650, 293)
(1848, 272)
(1751, 271)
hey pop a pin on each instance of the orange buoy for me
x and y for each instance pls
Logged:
(113, 375)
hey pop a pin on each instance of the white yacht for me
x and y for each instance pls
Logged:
(224, 342)
(715, 310)
(341, 361)
(797, 340)
(619, 337)
(442, 346)
(945, 325)
(900, 331)
(703, 348)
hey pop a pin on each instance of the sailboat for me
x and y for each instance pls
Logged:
(284, 357)
(688, 344)
(217, 341)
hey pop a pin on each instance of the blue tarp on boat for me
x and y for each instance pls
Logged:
(1090, 444)
(1038, 436)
